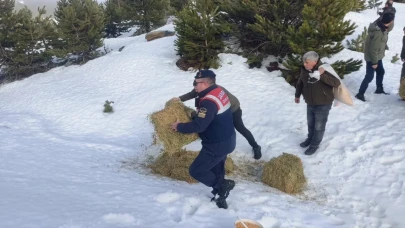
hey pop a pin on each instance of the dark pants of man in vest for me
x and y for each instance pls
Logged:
(240, 127)
(209, 166)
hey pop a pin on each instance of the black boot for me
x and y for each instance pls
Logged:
(360, 97)
(380, 90)
(221, 203)
(214, 192)
(257, 151)
(311, 150)
(223, 193)
(305, 143)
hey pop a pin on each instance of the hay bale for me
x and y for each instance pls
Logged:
(402, 89)
(172, 141)
(176, 165)
(285, 173)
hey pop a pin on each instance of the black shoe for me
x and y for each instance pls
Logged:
(225, 188)
(311, 150)
(360, 97)
(380, 90)
(257, 151)
(223, 193)
(306, 143)
(214, 191)
(221, 203)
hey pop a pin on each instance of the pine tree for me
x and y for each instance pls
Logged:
(358, 43)
(199, 29)
(81, 24)
(114, 18)
(6, 25)
(262, 25)
(395, 58)
(346, 67)
(272, 22)
(147, 14)
(29, 41)
(323, 30)
(359, 5)
(293, 64)
(178, 5)
(238, 15)
(6, 7)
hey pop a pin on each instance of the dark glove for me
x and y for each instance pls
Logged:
(193, 114)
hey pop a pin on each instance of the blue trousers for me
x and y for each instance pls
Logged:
(209, 166)
(317, 116)
(370, 76)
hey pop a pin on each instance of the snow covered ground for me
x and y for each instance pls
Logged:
(62, 158)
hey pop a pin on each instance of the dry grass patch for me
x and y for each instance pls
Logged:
(176, 165)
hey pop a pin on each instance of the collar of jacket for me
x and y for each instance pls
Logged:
(315, 67)
(207, 90)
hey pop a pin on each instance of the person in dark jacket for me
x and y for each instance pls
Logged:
(387, 9)
(403, 57)
(374, 52)
(316, 85)
(214, 125)
(237, 116)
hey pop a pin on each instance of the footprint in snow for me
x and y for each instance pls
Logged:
(120, 219)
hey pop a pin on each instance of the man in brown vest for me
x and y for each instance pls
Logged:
(236, 113)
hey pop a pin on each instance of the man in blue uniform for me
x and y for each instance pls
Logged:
(214, 124)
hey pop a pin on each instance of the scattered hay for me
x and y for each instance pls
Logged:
(249, 169)
(285, 173)
(172, 141)
(176, 165)
(402, 89)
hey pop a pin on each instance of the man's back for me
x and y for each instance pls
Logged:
(374, 46)
(221, 126)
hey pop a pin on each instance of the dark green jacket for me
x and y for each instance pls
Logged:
(316, 92)
(374, 46)
(235, 105)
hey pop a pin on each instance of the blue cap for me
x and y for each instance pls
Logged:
(205, 74)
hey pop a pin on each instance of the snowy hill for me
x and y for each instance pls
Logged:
(61, 157)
